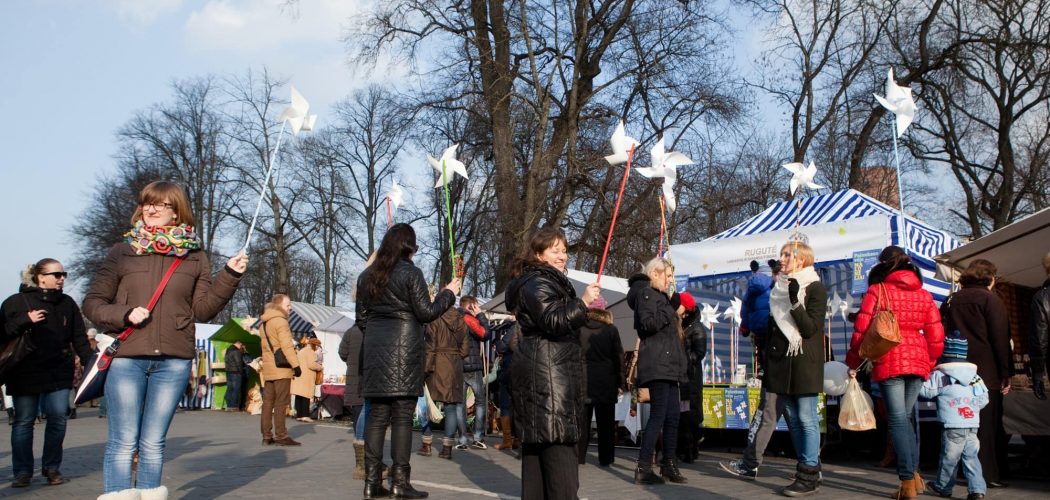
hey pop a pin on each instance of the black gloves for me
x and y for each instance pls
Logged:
(1039, 388)
(298, 372)
(793, 291)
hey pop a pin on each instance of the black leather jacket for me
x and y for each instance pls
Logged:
(547, 390)
(1038, 339)
(661, 355)
(393, 350)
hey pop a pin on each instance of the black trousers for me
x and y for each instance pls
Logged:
(395, 413)
(992, 436)
(605, 417)
(548, 471)
(302, 407)
(689, 432)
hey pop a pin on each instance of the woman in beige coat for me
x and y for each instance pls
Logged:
(303, 385)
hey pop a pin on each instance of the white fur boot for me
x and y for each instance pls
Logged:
(158, 493)
(128, 494)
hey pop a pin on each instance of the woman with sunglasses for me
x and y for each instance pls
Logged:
(44, 378)
(150, 369)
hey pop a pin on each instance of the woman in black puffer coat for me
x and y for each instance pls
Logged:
(661, 366)
(548, 391)
(392, 305)
(55, 327)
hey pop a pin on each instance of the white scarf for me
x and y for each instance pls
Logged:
(780, 306)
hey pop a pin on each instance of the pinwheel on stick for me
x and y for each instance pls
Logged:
(664, 165)
(708, 318)
(900, 102)
(732, 313)
(623, 151)
(297, 116)
(442, 165)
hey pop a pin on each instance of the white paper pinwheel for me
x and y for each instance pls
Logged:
(898, 101)
(803, 176)
(451, 166)
(665, 164)
(396, 196)
(296, 113)
(845, 306)
(732, 313)
(709, 316)
(829, 307)
(621, 144)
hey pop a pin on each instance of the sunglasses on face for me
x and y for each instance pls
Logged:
(56, 274)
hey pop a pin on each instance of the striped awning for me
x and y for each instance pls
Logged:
(924, 241)
(306, 316)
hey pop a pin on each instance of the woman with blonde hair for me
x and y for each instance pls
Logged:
(149, 371)
(303, 385)
(795, 358)
(44, 378)
(661, 368)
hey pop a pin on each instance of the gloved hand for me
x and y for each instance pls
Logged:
(744, 331)
(1039, 387)
(793, 291)
(298, 372)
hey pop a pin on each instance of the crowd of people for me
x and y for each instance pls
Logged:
(558, 363)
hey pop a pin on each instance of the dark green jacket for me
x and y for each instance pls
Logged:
(802, 374)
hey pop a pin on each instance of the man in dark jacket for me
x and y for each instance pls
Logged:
(475, 367)
(1039, 338)
(980, 316)
(234, 358)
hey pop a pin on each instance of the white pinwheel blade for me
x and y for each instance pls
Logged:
(621, 144)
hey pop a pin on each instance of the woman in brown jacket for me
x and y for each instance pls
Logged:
(277, 336)
(303, 385)
(447, 345)
(147, 377)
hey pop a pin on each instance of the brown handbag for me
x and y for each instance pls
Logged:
(884, 333)
(632, 375)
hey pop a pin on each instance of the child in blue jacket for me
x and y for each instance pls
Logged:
(960, 396)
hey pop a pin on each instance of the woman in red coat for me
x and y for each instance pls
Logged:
(897, 286)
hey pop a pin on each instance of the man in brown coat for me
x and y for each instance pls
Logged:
(447, 345)
(277, 336)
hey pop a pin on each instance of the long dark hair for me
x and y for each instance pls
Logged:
(399, 243)
(541, 240)
(892, 258)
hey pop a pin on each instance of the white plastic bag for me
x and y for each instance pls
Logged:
(856, 411)
(433, 409)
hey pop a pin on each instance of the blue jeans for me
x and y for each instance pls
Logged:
(450, 422)
(141, 395)
(56, 408)
(233, 390)
(476, 381)
(959, 444)
(664, 412)
(359, 426)
(800, 412)
(900, 394)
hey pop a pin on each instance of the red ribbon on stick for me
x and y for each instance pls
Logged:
(616, 211)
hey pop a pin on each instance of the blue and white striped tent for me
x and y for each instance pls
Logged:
(836, 225)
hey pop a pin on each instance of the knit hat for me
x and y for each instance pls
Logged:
(754, 266)
(955, 347)
(688, 301)
(598, 303)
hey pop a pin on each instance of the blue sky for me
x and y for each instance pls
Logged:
(75, 71)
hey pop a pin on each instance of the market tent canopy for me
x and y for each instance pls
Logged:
(234, 330)
(1016, 250)
(613, 290)
(330, 332)
(305, 317)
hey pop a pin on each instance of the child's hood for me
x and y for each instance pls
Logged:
(962, 371)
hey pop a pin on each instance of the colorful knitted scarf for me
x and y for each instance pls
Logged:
(163, 240)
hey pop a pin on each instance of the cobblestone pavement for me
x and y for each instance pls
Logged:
(212, 454)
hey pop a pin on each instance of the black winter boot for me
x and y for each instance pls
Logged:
(644, 475)
(807, 482)
(374, 482)
(669, 470)
(400, 484)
